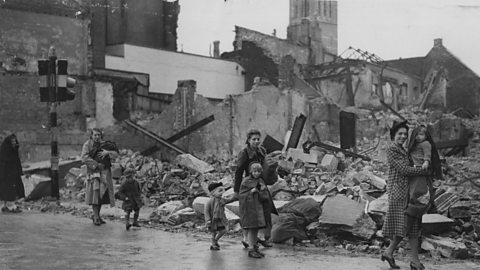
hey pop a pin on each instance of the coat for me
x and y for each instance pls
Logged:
(209, 213)
(399, 171)
(131, 195)
(99, 183)
(244, 159)
(252, 215)
(11, 185)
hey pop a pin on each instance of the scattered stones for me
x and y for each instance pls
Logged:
(193, 163)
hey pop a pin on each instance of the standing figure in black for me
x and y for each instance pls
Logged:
(11, 185)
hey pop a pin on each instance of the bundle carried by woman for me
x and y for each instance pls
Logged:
(98, 147)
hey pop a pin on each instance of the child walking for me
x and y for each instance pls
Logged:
(252, 192)
(214, 212)
(130, 193)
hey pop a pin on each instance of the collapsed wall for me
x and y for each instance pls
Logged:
(266, 108)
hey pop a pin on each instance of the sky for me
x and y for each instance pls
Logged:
(391, 29)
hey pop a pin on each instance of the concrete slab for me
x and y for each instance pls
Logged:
(341, 210)
(193, 163)
(436, 223)
(448, 247)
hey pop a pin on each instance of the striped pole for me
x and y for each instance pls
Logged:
(53, 90)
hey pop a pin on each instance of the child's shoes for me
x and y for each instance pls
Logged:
(214, 247)
(135, 224)
(254, 254)
(264, 243)
(127, 226)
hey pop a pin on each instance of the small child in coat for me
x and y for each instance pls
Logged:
(214, 212)
(131, 195)
(253, 192)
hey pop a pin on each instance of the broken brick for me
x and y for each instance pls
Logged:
(330, 162)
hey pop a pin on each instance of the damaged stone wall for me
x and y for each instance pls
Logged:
(23, 113)
(104, 104)
(255, 62)
(266, 108)
(463, 86)
(274, 47)
(365, 86)
(27, 36)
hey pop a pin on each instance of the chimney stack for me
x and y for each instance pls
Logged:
(216, 49)
(437, 42)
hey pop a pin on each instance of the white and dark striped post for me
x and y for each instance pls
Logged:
(53, 92)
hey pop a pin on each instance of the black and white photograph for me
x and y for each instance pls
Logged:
(239, 134)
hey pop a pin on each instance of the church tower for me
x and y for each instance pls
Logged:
(313, 23)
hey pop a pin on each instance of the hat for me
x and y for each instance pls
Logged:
(129, 171)
(396, 126)
(213, 186)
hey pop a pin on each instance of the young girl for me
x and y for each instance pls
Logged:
(131, 195)
(214, 212)
(423, 153)
(252, 190)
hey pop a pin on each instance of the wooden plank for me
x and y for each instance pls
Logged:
(308, 145)
(152, 149)
(191, 129)
(296, 131)
(154, 136)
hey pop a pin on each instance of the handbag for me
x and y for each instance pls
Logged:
(269, 172)
(263, 195)
(418, 196)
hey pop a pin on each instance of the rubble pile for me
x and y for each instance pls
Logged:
(324, 197)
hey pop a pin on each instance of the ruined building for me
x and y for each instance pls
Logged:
(438, 80)
(311, 40)
(146, 23)
(447, 83)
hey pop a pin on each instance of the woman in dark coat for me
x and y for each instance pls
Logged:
(399, 171)
(11, 185)
(254, 153)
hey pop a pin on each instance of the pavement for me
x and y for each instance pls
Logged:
(34, 240)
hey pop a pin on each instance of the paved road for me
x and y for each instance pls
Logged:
(39, 241)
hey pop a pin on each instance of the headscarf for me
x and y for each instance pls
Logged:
(436, 163)
(7, 150)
